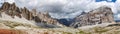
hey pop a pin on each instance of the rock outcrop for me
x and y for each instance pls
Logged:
(100, 15)
(12, 10)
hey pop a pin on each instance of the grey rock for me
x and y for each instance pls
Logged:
(12, 10)
(100, 15)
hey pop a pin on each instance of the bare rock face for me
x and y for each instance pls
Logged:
(5, 6)
(100, 15)
(12, 10)
(26, 14)
(45, 17)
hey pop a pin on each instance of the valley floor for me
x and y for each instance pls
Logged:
(10, 27)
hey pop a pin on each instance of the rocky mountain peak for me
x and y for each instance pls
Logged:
(103, 9)
(12, 10)
(100, 15)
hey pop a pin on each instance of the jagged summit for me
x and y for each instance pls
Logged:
(12, 10)
(104, 8)
(100, 15)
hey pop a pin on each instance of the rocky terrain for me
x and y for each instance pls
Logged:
(12, 10)
(100, 15)
(16, 20)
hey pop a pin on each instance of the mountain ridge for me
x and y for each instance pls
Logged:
(100, 15)
(96, 16)
(12, 10)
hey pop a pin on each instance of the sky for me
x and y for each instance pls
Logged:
(67, 8)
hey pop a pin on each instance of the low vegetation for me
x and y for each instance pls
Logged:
(15, 24)
(94, 30)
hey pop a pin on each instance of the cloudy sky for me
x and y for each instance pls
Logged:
(67, 8)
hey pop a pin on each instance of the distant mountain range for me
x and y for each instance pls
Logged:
(100, 15)
(22, 20)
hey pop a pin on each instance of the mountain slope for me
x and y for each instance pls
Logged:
(100, 15)
(23, 13)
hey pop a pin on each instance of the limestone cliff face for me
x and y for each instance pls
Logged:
(12, 10)
(45, 17)
(100, 15)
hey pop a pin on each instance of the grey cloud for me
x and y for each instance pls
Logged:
(61, 8)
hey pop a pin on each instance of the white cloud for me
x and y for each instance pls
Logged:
(10, 1)
(66, 8)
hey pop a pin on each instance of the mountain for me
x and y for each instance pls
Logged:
(66, 21)
(100, 15)
(12, 10)
(16, 20)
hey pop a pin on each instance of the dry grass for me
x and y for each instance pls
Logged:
(15, 24)
(94, 30)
